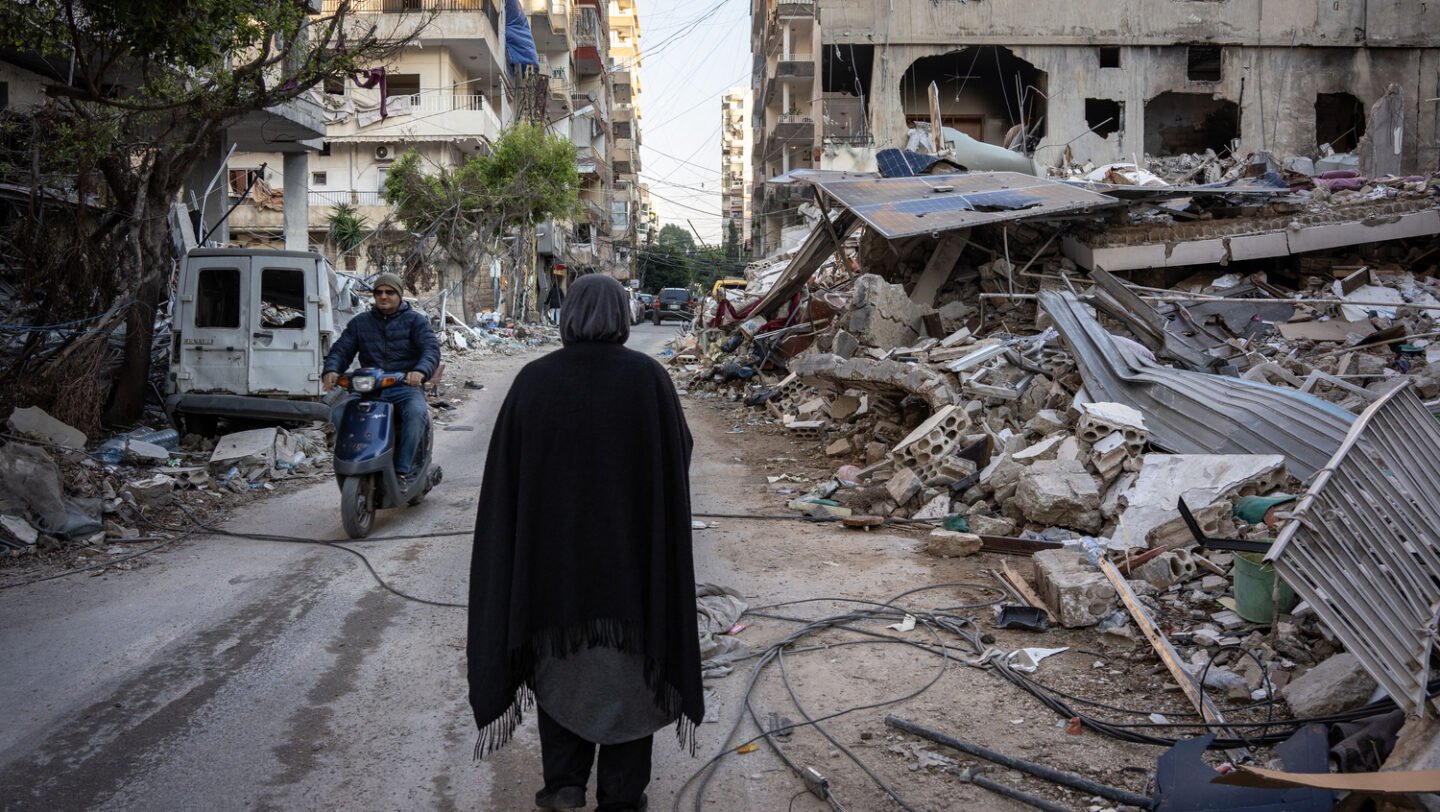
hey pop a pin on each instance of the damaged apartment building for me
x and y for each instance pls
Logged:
(1062, 83)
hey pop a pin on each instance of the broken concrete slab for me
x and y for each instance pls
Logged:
(952, 544)
(883, 315)
(250, 447)
(1334, 686)
(1076, 594)
(151, 490)
(20, 529)
(146, 452)
(930, 385)
(32, 421)
(936, 508)
(1200, 479)
(1058, 492)
(903, 485)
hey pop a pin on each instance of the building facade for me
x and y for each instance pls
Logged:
(444, 96)
(834, 80)
(735, 169)
(448, 95)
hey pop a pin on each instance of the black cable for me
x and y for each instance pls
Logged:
(323, 543)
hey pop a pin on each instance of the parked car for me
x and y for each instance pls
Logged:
(673, 303)
(637, 308)
(648, 301)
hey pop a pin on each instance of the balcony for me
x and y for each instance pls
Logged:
(591, 39)
(549, 24)
(790, 129)
(430, 116)
(795, 11)
(370, 205)
(590, 164)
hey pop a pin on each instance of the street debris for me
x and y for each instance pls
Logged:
(1054, 367)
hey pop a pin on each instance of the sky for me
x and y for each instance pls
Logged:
(692, 51)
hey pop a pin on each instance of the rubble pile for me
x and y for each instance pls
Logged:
(54, 494)
(1009, 401)
(493, 335)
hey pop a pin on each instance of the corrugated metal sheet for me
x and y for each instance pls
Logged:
(807, 260)
(1194, 412)
(1363, 546)
(902, 207)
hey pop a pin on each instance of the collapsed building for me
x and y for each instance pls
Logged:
(1156, 388)
(836, 80)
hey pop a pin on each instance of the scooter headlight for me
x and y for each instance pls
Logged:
(362, 383)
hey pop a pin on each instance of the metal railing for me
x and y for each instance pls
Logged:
(346, 196)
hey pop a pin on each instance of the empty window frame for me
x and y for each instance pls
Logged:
(217, 298)
(1104, 117)
(318, 178)
(1203, 63)
(1109, 56)
(282, 299)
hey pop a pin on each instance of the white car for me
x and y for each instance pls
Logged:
(637, 308)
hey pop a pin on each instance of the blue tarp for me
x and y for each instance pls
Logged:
(519, 43)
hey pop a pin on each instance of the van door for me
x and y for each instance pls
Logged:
(213, 350)
(285, 327)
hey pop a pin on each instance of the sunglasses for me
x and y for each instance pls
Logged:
(387, 292)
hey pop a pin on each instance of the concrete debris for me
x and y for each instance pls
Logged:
(1076, 594)
(1334, 686)
(1058, 492)
(950, 544)
(988, 371)
(34, 422)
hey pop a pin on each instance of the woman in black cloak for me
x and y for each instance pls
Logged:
(582, 589)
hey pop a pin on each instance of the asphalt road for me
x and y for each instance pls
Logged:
(240, 674)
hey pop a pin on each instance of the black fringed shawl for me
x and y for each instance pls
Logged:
(583, 534)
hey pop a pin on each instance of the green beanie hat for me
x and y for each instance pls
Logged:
(393, 280)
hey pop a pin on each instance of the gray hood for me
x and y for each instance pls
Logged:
(597, 309)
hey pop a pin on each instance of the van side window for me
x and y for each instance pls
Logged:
(282, 298)
(217, 298)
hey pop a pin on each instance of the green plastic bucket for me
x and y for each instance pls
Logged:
(1255, 588)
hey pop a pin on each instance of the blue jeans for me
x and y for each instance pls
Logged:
(410, 407)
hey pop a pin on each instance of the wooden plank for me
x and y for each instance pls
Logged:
(941, 265)
(1023, 587)
(1162, 647)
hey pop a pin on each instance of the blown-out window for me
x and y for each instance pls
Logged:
(282, 298)
(217, 298)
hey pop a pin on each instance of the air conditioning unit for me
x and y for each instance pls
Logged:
(384, 152)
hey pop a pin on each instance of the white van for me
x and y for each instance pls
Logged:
(251, 328)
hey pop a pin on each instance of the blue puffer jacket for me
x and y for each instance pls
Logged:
(399, 342)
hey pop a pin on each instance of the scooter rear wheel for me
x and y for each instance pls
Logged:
(357, 505)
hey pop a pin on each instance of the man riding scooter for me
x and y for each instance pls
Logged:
(391, 336)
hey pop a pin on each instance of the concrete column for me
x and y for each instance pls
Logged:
(297, 201)
(785, 41)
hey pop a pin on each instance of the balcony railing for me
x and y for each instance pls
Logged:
(346, 196)
(446, 102)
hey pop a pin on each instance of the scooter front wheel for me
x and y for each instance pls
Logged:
(357, 505)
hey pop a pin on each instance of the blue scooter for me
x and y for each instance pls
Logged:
(364, 453)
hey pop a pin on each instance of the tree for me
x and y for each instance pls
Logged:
(529, 177)
(666, 263)
(732, 240)
(139, 94)
(348, 228)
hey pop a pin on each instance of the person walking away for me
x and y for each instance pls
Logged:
(582, 587)
(553, 300)
(394, 337)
